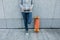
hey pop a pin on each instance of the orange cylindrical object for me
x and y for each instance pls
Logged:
(36, 23)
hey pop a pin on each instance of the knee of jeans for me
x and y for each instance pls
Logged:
(29, 21)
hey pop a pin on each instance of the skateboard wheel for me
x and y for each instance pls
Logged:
(36, 30)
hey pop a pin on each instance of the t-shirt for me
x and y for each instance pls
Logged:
(26, 4)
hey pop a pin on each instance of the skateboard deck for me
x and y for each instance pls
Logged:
(36, 24)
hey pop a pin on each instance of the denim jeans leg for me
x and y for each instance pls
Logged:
(29, 17)
(25, 20)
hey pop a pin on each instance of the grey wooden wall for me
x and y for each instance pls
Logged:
(48, 10)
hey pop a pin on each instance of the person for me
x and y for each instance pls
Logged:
(26, 10)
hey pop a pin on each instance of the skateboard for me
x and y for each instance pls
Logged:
(36, 24)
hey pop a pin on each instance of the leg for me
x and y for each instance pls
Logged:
(26, 23)
(25, 20)
(29, 17)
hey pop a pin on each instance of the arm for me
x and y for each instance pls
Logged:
(21, 5)
(23, 8)
(31, 5)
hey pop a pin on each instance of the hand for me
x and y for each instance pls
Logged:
(30, 8)
(23, 8)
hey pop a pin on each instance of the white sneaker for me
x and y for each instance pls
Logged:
(27, 33)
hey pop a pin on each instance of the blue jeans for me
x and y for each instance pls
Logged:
(27, 19)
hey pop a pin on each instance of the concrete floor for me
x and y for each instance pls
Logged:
(19, 34)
